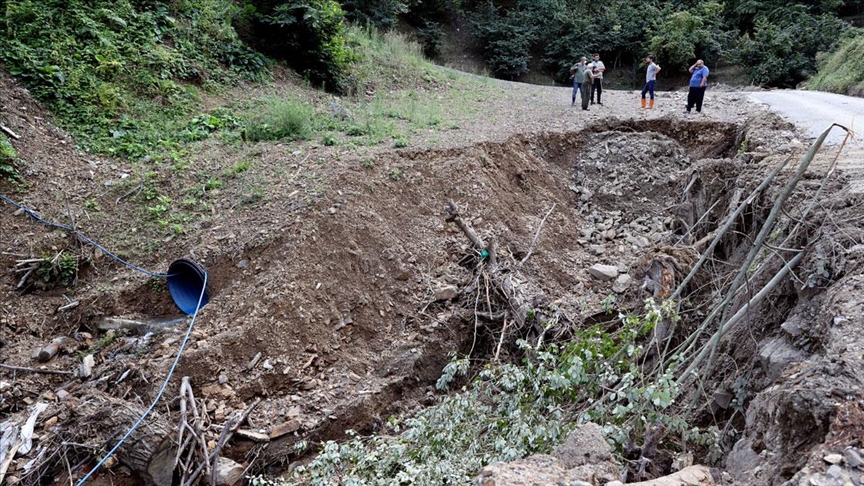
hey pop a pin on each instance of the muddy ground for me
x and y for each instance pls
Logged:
(340, 292)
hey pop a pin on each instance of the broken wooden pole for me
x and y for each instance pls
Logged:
(45, 354)
(8, 131)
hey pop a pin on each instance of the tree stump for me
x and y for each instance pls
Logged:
(101, 420)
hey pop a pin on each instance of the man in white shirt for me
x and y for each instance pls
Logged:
(597, 68)
(650, 81)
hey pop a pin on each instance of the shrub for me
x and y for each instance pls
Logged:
(842, 71)
(57, 270)
(381, 14)
(281, 119)
(782, 49)
(431, 37)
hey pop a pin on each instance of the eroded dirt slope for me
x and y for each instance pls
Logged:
(338, 295)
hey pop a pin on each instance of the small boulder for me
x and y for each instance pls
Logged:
(597, 249)
(603, 272)
(622, 283)
(446, 293)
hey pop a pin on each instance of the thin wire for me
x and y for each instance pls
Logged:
(84, 237)
(161, 390)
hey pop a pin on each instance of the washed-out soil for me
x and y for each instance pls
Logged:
(325, 305)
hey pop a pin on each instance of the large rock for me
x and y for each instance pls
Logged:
(584, 459)
(777, 354)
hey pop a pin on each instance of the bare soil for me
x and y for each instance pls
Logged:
(323, 284)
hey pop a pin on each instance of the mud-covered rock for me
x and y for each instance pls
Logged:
(585, 457)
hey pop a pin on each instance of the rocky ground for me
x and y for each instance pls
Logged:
(339, 292)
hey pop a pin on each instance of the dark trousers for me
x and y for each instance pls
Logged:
(597, 86)
(586, 95)
(695, 97)
(649, 87)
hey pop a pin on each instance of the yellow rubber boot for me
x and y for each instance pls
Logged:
(643, 102)
(651, 105)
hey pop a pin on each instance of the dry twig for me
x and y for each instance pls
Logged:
(35, 370)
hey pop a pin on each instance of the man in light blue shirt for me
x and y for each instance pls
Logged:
(698, 83)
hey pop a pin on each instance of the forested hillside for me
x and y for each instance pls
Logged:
(69, 50)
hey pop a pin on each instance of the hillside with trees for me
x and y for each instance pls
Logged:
(415, 274)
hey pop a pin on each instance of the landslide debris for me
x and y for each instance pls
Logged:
(339, 309)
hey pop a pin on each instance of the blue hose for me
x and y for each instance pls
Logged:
(183, 287)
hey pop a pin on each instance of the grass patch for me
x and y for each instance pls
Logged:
(281, 119)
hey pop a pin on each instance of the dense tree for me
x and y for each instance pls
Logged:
(777, 41)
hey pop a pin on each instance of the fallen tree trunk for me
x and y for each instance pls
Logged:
(101, 420)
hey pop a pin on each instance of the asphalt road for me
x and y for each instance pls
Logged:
(814, 111)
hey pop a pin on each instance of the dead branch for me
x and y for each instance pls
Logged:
(35, 370)
(454, 217)
(149, 451)
(25, 277)
(188, 452)
(68, 306)
(8, 131)
(537, 235)
(212, 461)
(45, 354)
(501, 340)
(728, 224)
(725, 326)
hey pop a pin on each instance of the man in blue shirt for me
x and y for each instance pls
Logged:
(698, 83)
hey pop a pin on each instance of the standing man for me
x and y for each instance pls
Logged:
(650, 80)
(698, 83)
(582, 77)
(577, 78)
(597, 68)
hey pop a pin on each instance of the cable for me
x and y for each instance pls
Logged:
(84, 237)
(161, 390)
(183, 343)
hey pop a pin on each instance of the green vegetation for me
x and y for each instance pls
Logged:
(509, 411)
(57, 270)
(123, 75)
(776, 41)
(782, 49)
(8, 160)
(843, 70)
(281, 119)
